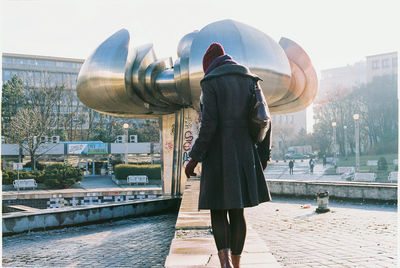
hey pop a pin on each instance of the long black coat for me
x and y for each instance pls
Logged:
(232, 175)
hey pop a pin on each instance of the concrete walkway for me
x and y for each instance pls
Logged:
(301, 172)
(350, 235)
(194, 246)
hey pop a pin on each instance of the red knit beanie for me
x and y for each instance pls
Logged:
(214, 50)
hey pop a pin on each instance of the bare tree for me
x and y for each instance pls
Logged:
(27, 126)
(283, 134)
(36, 117)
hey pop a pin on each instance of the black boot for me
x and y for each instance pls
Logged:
(225, 258)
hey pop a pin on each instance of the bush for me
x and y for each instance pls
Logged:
(122, 171)
(38, 165)
(382, 163)
(5, 178)
(382, 175)
(61, 176)
(11, 175)
(115, 162)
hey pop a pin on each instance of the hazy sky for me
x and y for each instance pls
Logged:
(333, 33)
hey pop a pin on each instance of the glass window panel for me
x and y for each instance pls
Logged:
(41, 62)
(19, 61)
(29, 61)
(52, 78)
(30, 78)
(37, 78)
(6, 75)
(7, 60)
(385, 63)
(59, 79)
(74, 80)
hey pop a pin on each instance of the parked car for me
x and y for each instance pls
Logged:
(295, 156)
(309, 155)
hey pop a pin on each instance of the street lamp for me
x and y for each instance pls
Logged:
(357, 134)
(126, 126)
(345, 141)
(334, 142)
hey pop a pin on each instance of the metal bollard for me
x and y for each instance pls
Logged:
(322, 201)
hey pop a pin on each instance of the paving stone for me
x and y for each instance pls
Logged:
(136, 242)
(351, 235)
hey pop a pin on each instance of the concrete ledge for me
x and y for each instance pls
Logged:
(381, 192)
(69, 193)
(17, 222)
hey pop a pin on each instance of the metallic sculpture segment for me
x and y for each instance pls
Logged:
(119, 80)
(304, 83)
(247, 46)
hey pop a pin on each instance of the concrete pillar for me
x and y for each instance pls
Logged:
(179, 131)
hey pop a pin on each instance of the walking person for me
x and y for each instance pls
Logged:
(311, 163)
(291, 165)
(232, 175)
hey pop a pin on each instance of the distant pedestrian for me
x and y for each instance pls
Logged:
(291, 165)
(311, 163)
(324, 160)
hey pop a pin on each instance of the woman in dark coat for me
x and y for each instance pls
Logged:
(232, 165)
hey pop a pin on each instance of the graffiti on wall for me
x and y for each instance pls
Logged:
(187, 146)
(191, 127)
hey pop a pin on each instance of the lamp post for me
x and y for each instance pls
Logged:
(357, 134)
(345, 141)
(126, 126)
(334, 142)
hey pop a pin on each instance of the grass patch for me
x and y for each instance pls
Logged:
(351, 162)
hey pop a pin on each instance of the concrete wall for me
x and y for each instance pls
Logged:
(345, 190)
(17, 222)
(60, 198)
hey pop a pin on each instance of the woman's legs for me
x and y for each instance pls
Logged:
(237, 226)
(220, 227)
(230, 234)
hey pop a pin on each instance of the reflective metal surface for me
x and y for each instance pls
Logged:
(120, 80)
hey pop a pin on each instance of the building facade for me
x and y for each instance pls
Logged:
(39, 71)
(341, 80)
(49, 73)
(381, 64)
(285, 127)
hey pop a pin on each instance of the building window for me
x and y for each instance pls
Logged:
(6, 75)
(394, 62)
(29, 62)
(385, 63)
(7, 60)
(37, 79)
(375, 64)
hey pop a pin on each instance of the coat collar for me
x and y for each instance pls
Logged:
(230, 69)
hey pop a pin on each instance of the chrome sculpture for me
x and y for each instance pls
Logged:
(120, 80)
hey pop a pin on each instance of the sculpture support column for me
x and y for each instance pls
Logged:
(167, 139)
(179, 132)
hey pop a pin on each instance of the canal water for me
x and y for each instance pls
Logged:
(134, 242)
